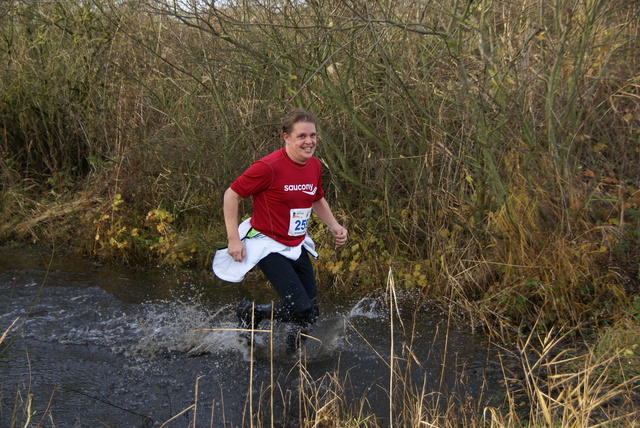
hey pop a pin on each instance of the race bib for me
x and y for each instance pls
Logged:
(298, 221)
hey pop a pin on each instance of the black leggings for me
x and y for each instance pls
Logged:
(295, 282)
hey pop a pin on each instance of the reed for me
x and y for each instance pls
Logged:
(6, 332)
(22, 412)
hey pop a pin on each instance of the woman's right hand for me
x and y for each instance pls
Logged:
(236, 250)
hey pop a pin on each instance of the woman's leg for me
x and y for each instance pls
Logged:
(294, 281)
(305, 272)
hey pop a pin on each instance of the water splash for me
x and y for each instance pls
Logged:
(369, 307)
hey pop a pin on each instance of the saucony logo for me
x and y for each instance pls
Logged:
(309, 189)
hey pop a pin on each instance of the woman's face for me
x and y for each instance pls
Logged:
(300, 143)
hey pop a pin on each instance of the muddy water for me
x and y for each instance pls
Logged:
(98, 346)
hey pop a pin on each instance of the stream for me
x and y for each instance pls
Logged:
(97, 346)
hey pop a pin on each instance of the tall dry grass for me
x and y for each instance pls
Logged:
(487, 151)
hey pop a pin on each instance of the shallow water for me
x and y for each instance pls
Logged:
(100, 346)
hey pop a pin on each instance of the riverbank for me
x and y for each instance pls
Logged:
(514, 273)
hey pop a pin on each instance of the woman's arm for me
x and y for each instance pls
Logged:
(322, 210)
(235, 247)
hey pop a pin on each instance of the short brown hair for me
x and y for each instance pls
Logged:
(295, 116)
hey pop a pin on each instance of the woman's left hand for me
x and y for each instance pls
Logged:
(339, 234)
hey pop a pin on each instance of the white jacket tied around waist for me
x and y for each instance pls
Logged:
(257, 248)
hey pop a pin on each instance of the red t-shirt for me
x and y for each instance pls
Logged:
(283, 192)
